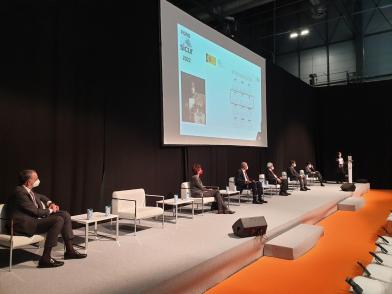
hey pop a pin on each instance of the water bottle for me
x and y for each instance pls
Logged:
(90, 213)
(107, 210)
(175, 198)
(187, 195)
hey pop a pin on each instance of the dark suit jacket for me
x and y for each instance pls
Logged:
(269, 176)
(292, 173)
(240, 179)
(197, 187)
(21, 208)
(309, 170)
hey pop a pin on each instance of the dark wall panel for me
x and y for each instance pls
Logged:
(356, 120)
(77, 104)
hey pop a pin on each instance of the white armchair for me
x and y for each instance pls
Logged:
(292, 184)
(186, 191)
(12, 242)
(268, 189)
(131, 204)
(243, 193)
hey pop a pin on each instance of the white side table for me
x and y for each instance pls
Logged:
(97, 217)
(176, 204)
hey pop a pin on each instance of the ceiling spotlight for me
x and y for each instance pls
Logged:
(304, 32)
(293, 35)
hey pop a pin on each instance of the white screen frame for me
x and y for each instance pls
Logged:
(170, 16)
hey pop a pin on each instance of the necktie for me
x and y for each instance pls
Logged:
(34, 200)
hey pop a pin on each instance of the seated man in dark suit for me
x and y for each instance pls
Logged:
(292, 173)
(242, 181)
(198, 190)
(312, 172)
(34, 213)
(272, 178)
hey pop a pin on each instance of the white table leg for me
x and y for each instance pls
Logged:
(193, 210)
(116, 228)
(96, 230)
(176, 211)
(86, 236)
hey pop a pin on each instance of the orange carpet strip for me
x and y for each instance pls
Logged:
(348, 237)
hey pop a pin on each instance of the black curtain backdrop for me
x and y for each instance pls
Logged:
(80, 102)
(356, 120)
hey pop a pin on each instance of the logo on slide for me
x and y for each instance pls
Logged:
(186, 44)
(210, 59)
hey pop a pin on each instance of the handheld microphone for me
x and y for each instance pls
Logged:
(378, 258)
(364, 269)
(356, 288)
(383, 250)
(382, 238)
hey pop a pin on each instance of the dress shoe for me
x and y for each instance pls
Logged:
(257, 202)
(228, 211)
(307, 188)
(303, 189)
(284, 194)
(74, 255)
(263, 201)
(322, 185)
(49, 263)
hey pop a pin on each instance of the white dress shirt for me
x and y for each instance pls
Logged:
(245, 175)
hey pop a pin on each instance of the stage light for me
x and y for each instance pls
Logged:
(293, 35)
(304, 32)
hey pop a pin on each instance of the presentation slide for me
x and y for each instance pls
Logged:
(213, 88)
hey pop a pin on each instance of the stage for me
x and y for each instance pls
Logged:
(188, 257)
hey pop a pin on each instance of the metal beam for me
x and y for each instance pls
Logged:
(233, 7)
(382, 13)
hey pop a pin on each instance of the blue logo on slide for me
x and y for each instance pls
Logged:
(186, 44)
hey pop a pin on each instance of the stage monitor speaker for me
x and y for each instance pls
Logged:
(250, 226)
(348, 187)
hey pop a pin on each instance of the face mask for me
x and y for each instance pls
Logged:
(36, 183)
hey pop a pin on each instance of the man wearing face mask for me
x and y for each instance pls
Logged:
(199, 190)
(272, 178)
(292, 173)
(242, 181)
(312, 172)
(34, 213)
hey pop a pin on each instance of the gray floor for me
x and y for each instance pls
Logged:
(135, 264)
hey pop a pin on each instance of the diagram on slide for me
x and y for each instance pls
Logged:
(242, 100)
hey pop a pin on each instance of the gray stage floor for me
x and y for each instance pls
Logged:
(135, 264)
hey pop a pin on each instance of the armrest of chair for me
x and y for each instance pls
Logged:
(127, 200)
(158, 196)
(212, 187)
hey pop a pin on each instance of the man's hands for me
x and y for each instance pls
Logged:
(54, 207)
